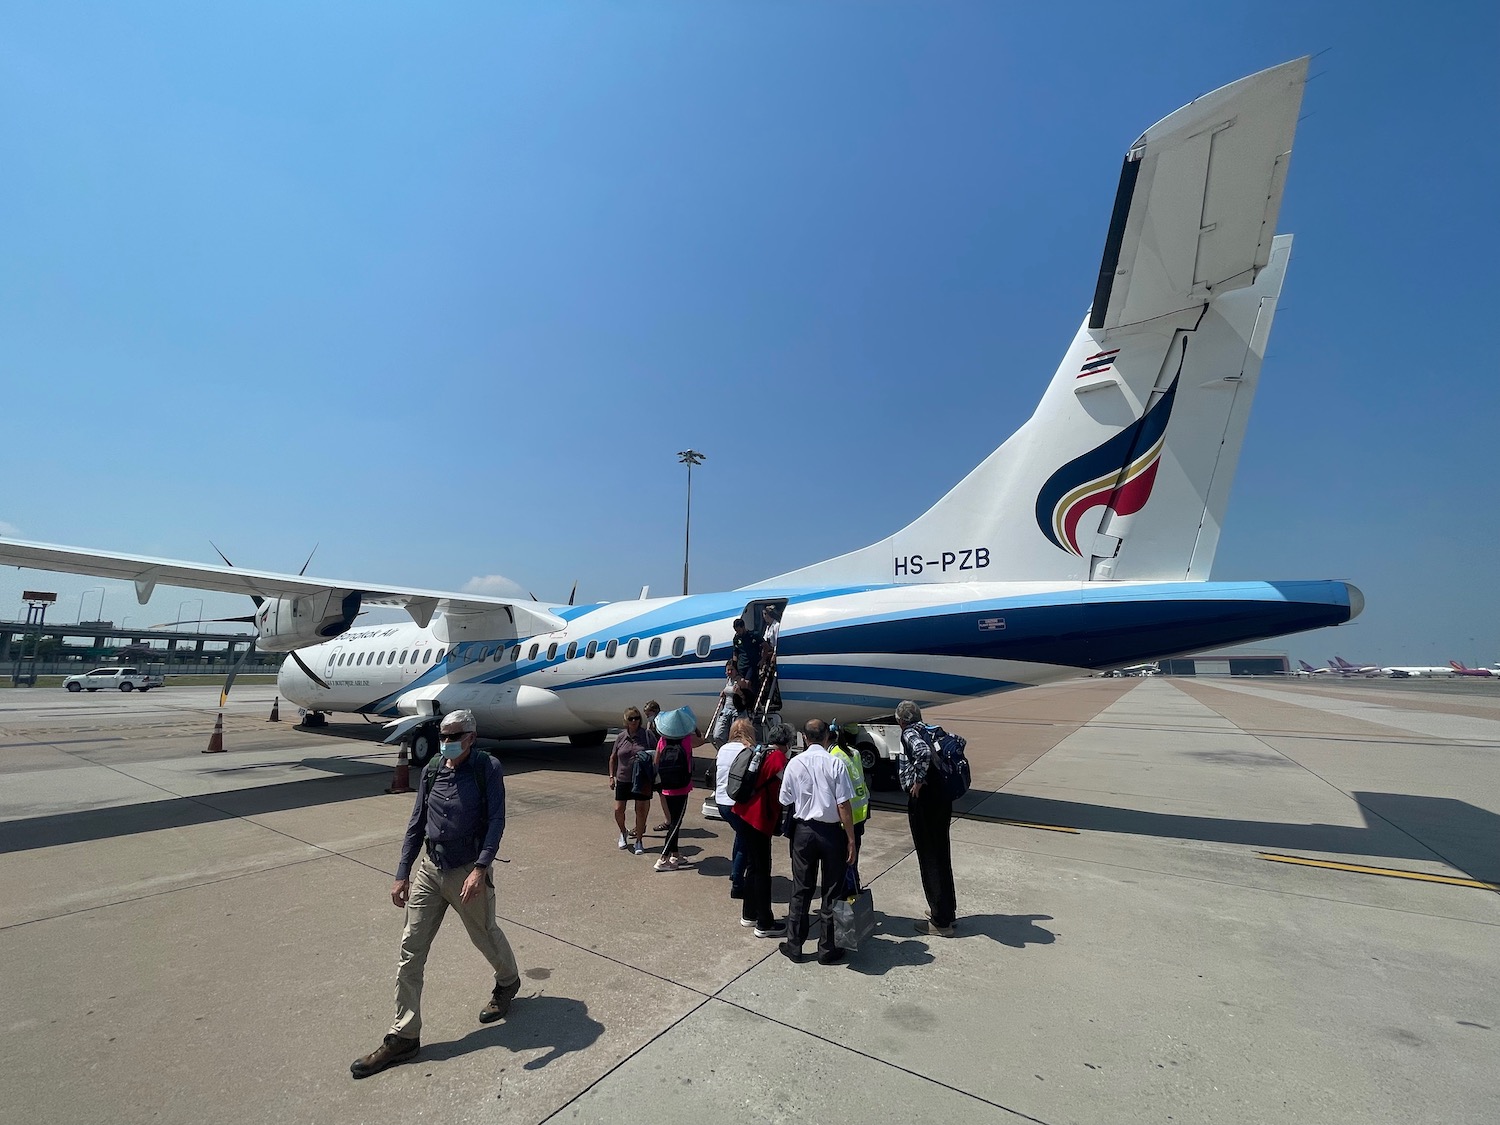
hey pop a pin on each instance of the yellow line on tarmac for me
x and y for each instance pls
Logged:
(1025, 824)
(1388, 872)
(892, 806)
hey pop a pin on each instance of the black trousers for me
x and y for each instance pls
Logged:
(816, 846)
(929, 816)
(756, 906)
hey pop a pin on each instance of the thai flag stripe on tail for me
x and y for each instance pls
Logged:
(1098, 364)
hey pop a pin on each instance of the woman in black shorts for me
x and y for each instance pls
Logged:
(621, 768)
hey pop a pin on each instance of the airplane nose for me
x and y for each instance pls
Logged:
(1356, 600)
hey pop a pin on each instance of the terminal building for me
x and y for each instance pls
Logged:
(1228, 664)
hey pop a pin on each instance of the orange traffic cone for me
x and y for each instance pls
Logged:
(275, 710)
(401, 783)
(216, 740)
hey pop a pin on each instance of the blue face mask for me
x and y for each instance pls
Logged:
(451, 750)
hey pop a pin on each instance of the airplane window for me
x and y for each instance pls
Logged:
(403, 656)
(704, 645)
(572, 649)
(588, 653)
(609, 649)
(380, 658)
(340, 662)
(632, 648)
(534, 650)
(391, 659)
(360, 659)
(552, 651)
(427, 657)
(678, 644)
(515, 653)
(654, 648)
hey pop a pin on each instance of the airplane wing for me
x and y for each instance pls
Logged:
(148, 573)
(1198, 199)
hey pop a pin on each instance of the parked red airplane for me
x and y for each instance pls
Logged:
(1461, 669)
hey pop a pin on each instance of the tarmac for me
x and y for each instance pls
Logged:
(188, 937)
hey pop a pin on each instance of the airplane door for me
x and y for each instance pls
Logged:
(333, 659)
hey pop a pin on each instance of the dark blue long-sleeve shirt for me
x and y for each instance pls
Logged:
(452, 817)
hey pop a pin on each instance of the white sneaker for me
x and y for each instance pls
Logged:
(639, 850)
(777, 930)
(747, 921)
(624, 842)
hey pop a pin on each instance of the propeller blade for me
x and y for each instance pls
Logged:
(311, 675)
(248, 619)
(256, 598)
(235, 671)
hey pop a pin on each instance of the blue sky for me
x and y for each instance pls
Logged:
(443, 291)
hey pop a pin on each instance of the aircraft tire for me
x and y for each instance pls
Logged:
(589, 738)
(423, 746)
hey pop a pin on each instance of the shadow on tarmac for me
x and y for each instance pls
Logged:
(181, 812)
(1396, 826)
(558, 1022)
(1015, 930)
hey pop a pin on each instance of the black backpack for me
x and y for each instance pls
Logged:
(642, 771)
(744, 773)
(672, 770)
(949, 761)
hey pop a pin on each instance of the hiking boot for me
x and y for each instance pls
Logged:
(392, 1051)
(500, 1001)
(932, 929)
(792, 953)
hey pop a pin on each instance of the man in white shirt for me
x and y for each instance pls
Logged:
(817, 789)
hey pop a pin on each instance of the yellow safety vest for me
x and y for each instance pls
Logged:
(860, 806)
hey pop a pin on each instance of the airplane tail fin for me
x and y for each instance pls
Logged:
(1458, 665)
(1123, 472)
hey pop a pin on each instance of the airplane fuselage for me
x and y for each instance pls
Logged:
(850, 653)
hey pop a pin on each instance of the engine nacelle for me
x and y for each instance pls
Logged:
(282, 624)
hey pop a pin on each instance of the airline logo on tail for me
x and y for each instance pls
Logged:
(1097, 477)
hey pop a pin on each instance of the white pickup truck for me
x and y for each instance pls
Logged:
(120, 679)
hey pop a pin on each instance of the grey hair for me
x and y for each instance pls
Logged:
(462, 719)
(779, 735)
(908, 712)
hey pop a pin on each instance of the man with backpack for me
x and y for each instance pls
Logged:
(450, 842)
(929, 811)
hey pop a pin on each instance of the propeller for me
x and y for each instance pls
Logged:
(250, 619)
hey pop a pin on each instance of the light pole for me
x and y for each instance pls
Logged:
(688, 457)
(85, 594)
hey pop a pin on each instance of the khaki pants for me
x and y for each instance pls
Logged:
(431, 892)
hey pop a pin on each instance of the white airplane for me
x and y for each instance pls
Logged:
(1417, 671)
(1083, 542)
